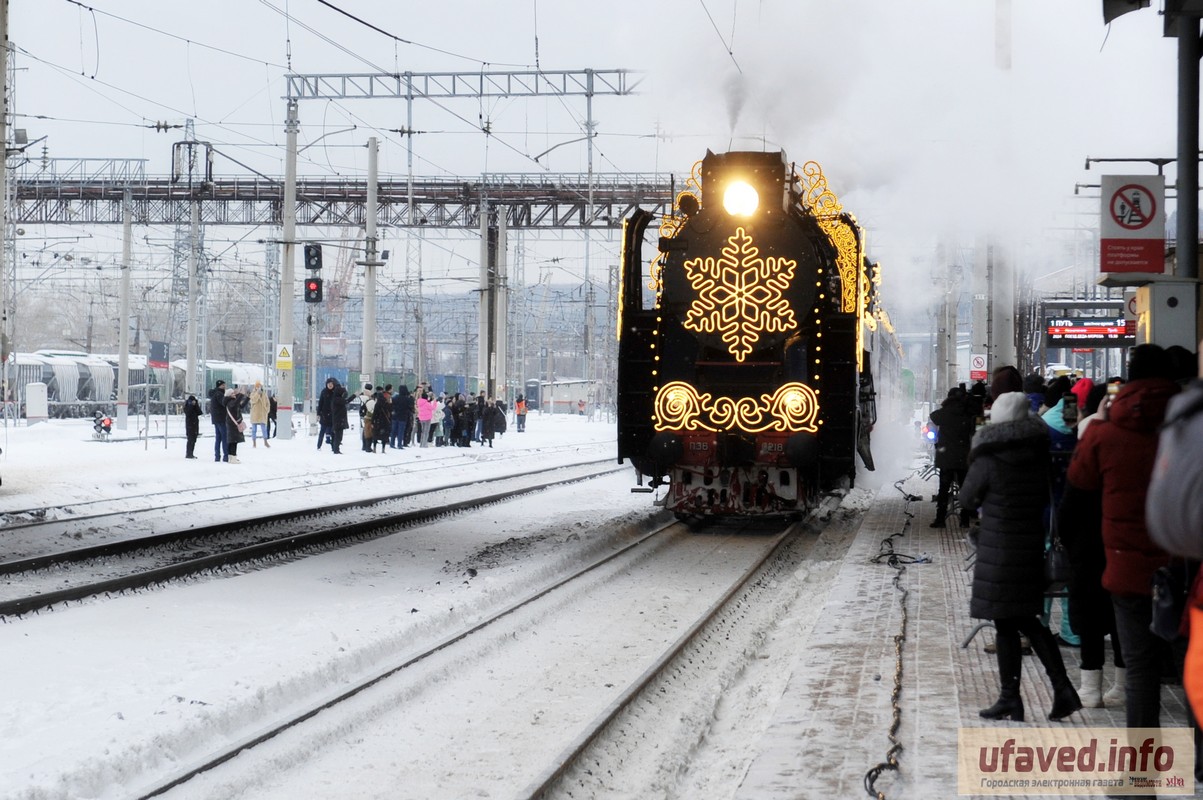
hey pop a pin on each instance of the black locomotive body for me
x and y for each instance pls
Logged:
(744, 381)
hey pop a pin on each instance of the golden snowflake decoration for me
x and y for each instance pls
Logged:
(740, 294)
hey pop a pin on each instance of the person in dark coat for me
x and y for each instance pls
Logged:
(325, 410)
(955, 424)
(217, 415)
(192, 415)
(1008, 481)
(338, 417)
(1115, 457)
(467, 422)
(448, 404)
(1080, 523)
(404, 407)
(478, 417)
(396, 436)
(272, 407)
(233, 418)
(977, 401)
(382, 419)
(493, 422)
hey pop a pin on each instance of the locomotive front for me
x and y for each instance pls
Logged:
(740, 370)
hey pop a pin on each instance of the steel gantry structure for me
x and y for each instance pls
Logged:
(584, 202)
(532, 201)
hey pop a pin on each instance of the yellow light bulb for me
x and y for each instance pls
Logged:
(740, 199)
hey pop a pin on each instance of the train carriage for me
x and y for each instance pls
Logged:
(745, 371)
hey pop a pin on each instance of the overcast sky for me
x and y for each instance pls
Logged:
(919, 131)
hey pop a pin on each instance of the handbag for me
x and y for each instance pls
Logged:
(1169, 586)
(238, 423)
(1057, 569)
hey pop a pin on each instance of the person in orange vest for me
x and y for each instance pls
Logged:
(520, 413)
(580, 407)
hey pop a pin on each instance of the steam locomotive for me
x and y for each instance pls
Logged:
(746, 343)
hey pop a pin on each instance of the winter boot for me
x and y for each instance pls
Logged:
(266, 443)
(938, 522)
(1091, 691)
(1010, 664)
(1116, 696)
(1065, 697)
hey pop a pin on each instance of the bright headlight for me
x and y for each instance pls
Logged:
(740, 199)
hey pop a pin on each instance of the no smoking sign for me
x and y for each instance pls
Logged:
(977, 367)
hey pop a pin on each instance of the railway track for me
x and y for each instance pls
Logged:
(69, 520)
(660, 594)
(38, 582)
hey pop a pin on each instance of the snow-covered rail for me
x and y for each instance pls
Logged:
(65, 521)
(139, 561)
(565, 659)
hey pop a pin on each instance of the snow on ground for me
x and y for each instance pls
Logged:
(111, 692)
(106, 696)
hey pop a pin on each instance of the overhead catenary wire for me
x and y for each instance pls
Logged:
(70, 73)
(410, 42)
(483, 125)
(719, 33)
(168, 34)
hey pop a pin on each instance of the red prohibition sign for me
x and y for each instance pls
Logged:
(1133, 207)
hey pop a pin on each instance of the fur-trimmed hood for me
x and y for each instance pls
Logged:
(1017, 436)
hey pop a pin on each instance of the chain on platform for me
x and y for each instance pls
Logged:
(899, 562)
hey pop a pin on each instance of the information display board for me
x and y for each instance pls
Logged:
(1090, 332)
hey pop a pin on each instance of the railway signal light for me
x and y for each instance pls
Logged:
(313, 256)
(313, 290)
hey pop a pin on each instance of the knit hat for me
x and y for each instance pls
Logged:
(1081, 390)
(1005, 379)
(1010, 407)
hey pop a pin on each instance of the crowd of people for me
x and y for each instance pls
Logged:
(388, 418)
(1113, 468)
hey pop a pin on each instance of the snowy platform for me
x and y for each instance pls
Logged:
(832, 723)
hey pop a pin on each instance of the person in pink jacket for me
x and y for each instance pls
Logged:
(425, 414)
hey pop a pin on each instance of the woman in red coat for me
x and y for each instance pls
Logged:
(1115, 457)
